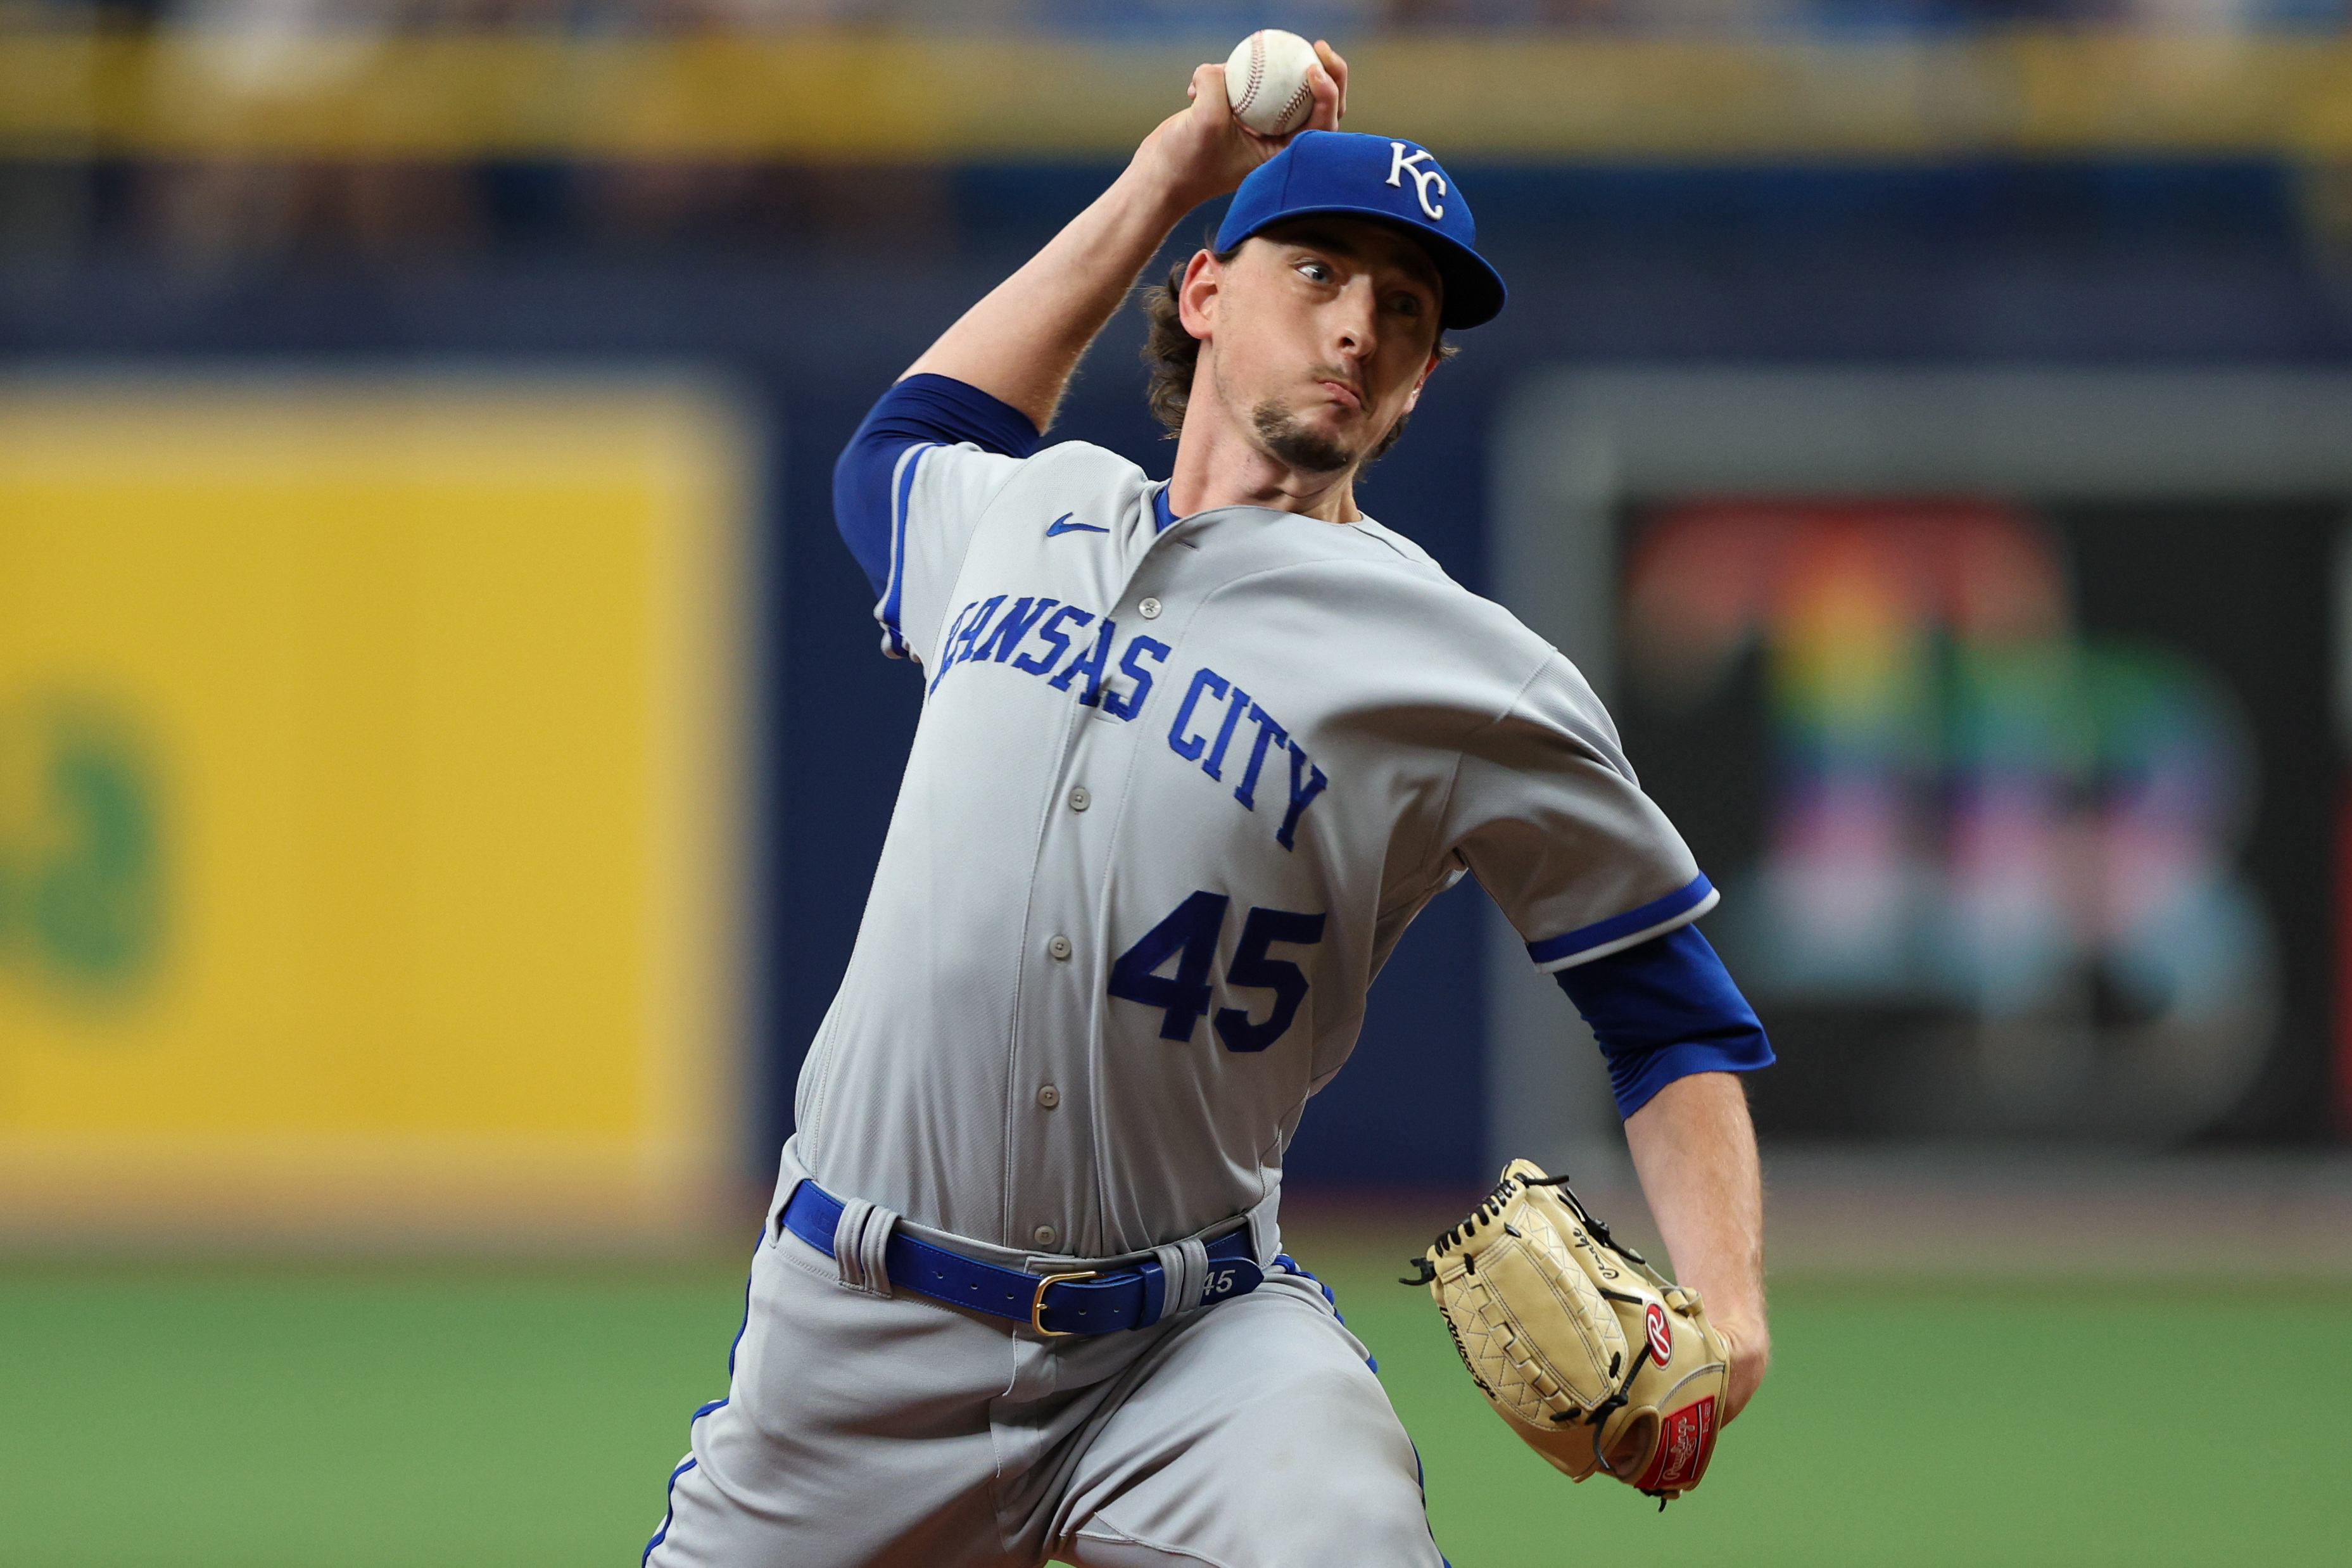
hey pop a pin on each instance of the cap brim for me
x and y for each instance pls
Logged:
(1474, 294)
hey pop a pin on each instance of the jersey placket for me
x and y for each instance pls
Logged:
(1061, 1084)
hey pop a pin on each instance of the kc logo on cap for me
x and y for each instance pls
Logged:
(1402, 162)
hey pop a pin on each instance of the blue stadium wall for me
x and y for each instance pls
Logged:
(2137, 262)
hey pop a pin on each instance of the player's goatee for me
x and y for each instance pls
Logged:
(1295, 443)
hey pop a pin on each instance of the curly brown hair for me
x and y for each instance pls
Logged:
(1170, 354)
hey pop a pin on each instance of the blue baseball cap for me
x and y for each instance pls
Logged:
(1379, 177)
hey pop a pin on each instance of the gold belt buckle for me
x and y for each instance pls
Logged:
(1037, 1306)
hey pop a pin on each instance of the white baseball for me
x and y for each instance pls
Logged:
(1266, 81)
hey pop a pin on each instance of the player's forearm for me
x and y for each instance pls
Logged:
(1021, 343)
(1695, 1149)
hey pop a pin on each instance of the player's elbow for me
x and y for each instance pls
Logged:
(1665, 1009)
(861, 501)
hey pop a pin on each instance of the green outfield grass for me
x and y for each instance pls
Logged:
(292, 1416)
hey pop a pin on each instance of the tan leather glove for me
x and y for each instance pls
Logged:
(1602, 1363)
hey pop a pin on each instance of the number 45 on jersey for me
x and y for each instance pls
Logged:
(1189, 937)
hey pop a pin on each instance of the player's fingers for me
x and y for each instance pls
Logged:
(1325, 113)
(1208, 94)
(1338, 66)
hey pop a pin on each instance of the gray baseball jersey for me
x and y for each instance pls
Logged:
(1176, 792)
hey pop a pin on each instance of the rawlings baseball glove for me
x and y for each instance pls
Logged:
(1598, 1360)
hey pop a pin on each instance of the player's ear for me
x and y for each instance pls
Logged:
(1413, 398)
(1196, 296)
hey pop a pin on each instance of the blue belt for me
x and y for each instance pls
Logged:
(1089, 1301)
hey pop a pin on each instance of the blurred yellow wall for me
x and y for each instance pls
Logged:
(368, 830)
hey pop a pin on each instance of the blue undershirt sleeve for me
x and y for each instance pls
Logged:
(1664, 1009)
(936, 410)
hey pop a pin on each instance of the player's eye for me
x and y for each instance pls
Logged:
(1314, 271)
(1406, 305)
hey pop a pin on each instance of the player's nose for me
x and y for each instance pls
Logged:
(1355, 317)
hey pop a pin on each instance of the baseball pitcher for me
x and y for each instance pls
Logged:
(1193, 754)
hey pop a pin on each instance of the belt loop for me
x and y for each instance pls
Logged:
(859, 1239)
(1185, 1266)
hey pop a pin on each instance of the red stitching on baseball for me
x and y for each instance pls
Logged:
(1256, 73)
(1306, 94)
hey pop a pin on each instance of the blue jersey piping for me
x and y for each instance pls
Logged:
(1618, 932)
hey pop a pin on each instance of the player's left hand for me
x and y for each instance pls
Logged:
(1751, 1353)
(1202, 152)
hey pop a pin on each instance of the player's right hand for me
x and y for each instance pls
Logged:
(1200, 152)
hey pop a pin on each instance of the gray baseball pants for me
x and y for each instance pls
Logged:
(861, 1430)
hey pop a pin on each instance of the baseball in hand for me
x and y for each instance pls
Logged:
(1267, 81)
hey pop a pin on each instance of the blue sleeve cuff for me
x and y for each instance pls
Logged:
(1665, 1009)
(936, 410)
(942, 409)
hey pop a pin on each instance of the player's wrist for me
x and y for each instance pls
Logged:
(1172, 173)
(1749, 1340)
(1202, 152)
(1155, 192)
(1751, 1356)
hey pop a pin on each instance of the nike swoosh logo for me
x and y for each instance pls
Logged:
(1063, 524)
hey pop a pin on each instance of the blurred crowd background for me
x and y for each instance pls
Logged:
(428, 673)
(1353, 19)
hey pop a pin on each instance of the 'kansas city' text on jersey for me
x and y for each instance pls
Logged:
(1176, 792)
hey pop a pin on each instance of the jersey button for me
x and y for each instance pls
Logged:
(1079, 798)
(1044, 1235)
(1058, 946)
(1049, 1097)
(1149, 609)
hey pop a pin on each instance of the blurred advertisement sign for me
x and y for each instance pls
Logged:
(81, 879)
(2015, 846)
(1999, 705)
(369, 827)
